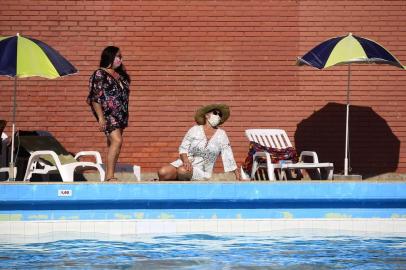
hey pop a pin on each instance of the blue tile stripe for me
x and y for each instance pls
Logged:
(205, 204)
(203, 191)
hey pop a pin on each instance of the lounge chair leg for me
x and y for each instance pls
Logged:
(67, 176)
(318, 174)
(137, 172)
(271, 174)
(282, 175)
(330, 173)
(30, 168)
(244, 176)
(254, 169)
(299, 174)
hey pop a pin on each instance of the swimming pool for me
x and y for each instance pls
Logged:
(255, 225)
(212, 251)
(30, 211)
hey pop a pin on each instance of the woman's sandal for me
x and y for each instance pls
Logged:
(112, 179)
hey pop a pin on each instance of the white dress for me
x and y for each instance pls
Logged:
(203, 154)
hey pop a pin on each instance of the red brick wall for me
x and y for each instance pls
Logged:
(184, 54)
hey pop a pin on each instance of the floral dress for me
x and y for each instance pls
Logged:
(203, 154)
(113, 96)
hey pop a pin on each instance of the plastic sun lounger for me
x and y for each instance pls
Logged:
(277, 138)
(47, 154)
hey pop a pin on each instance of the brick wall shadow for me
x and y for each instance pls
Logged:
(374, 149)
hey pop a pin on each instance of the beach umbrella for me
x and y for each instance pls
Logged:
(27, 57)
(346, 50)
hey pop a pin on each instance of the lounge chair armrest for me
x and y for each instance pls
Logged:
(268, 158)
(38, 154)
(261, 154)
(309, 154)
(95, 154)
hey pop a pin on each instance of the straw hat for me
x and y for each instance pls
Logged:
(201, 112)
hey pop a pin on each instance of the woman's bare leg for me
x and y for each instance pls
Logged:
(114, 142)
(167, 173)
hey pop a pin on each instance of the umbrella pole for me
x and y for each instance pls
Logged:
(11, 176)
(347, 119)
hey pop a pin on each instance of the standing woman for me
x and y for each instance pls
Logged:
(108, 98)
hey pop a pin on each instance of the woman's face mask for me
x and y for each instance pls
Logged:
(117, 61)
(214, 120)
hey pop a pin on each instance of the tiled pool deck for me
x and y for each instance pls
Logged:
(88, 209)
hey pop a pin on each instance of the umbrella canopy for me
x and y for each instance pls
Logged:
(347, 50)
(27, 57)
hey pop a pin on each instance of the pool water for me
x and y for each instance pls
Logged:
(208, 251)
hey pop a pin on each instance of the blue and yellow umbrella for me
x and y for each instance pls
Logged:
(347, 50)
(27, 57)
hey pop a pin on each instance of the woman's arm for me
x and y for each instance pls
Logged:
(99, 111)
(186, 162)
(96, 96)
(184, 148)
(228, 157)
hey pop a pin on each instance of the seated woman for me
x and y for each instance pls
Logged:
(201, 146)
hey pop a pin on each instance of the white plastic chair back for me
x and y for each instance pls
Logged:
(275, 138)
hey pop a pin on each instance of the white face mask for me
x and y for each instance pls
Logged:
(214, 120)
(117, 62)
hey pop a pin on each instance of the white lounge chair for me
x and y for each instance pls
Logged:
(3, 157)
(47, 154)
(277, 138)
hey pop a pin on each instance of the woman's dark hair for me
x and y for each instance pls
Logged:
(107, 59)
